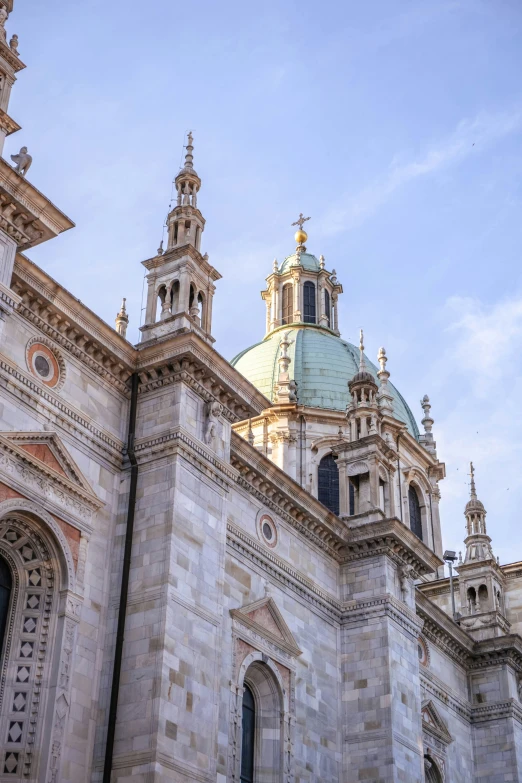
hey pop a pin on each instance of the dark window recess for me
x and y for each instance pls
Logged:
(6, 582)
(309, 303)
(329, 483)
(327, 307)
(288, 310)
(248, 738)
(415, 513)
(42, 366)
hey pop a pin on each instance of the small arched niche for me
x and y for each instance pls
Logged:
(472, 600)
(174, 297)
(261, 730)
(483, 598)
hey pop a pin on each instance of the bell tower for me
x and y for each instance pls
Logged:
(481, 581)
(181, 279)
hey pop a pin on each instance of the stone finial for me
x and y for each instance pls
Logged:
(286, 387)
(160, 249)
(427, 422)
(472, 488)
(122, 319)
(13, 43)
(275, 266)
(384, 396)
(250, 433)
(189, 158)
(23, 161)
(362, 363)
(321, 262)
(333, 277)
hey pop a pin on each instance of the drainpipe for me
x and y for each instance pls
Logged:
(124, 591)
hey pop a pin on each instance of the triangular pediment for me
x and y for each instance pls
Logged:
(264, 618)
(45, 451)
(433, 723)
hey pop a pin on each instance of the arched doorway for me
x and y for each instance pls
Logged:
(262, 726)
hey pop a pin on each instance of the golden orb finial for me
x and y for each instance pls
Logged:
(300, 236)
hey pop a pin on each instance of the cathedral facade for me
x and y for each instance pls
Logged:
(228, 572)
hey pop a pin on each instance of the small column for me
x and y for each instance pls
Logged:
(344, 498)
(184, 292)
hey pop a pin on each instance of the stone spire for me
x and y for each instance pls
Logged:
(481, 581)
(122, 320)
(181, 279)
(362, 410)
(478, 543)
(185, 222)
(384, 397)
(427, 422)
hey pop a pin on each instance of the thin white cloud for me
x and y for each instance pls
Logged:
(469, 136)
(480, 386)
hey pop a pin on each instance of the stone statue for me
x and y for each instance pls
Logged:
(23, 161)
(13, 43)
(292, 391)
(214, 410)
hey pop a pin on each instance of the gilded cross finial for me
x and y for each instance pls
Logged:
(301, 221)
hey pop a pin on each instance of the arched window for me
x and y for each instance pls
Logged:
(201, 308)
(248, 738)
(329, 483)
(483, 598)
(160, 304)
(6, 582)
(415, 512)
(327, 307)
(472, 600)
(288, 310)
(309, 303)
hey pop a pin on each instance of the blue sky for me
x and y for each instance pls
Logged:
(396, 125)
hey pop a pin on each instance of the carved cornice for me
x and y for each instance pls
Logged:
(383, 606)
(509, 709)
(443, 632)
(277, 491)
(178, 441)
(241, 543)
(55, 320)
(26, 214)
(394, 539)
(33, 392)
(7, 124)
(439, 690)
(9, 56)
(188, 358)
(505, 650)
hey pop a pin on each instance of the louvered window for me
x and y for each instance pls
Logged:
(309, 303)
(329, 483)
(415, 513)
(288, 310)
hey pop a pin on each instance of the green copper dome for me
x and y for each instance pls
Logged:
(322, 364)
(309, 262)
